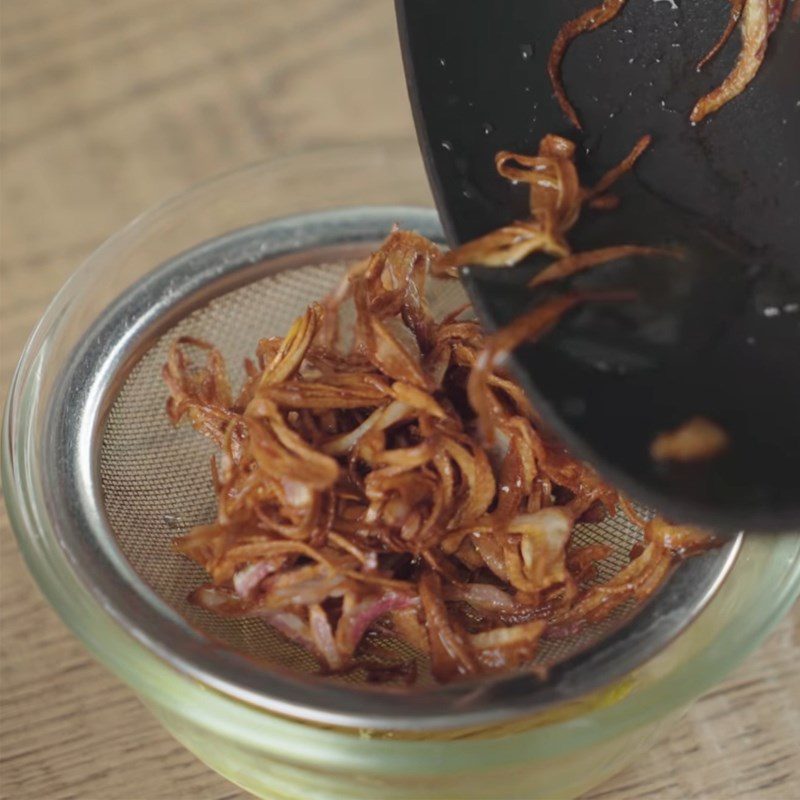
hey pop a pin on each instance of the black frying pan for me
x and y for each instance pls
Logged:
(717, 335)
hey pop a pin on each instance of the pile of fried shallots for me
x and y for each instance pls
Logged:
(401, 485)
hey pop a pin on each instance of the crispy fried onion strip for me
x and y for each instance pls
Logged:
(556, 197)
(697, 439)
(401, 487)
(526, 328)
(588, 21)
(756, 19)
(737, 6)
(578, 262)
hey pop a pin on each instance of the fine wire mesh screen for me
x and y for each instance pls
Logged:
(156, 478)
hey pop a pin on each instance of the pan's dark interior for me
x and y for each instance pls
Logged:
(717, 334)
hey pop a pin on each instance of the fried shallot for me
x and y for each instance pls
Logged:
(400, 486)
(756, 19)
(588, 21)
(556, 198)
(759, 19)
(697, 439)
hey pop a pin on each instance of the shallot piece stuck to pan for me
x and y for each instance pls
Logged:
(756, 19)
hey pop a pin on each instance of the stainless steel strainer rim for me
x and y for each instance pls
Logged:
(70, 474)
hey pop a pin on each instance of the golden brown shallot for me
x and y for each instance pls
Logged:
(402, 486)
(556, 197)
(756, 19)
(697, 439)
(588, 21)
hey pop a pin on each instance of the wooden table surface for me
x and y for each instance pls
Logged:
(108, 107)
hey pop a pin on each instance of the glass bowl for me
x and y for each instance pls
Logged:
(558, 753)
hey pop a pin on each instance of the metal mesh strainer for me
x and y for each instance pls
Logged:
(132, 482)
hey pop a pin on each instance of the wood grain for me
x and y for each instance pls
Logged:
(109, 107)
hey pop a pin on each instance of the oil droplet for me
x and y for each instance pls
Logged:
(771, 311)
(172, 521)
(526, 51)
(447, 145)
(791, 308)
(442, 62)
(673, 6)
(487, 128)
